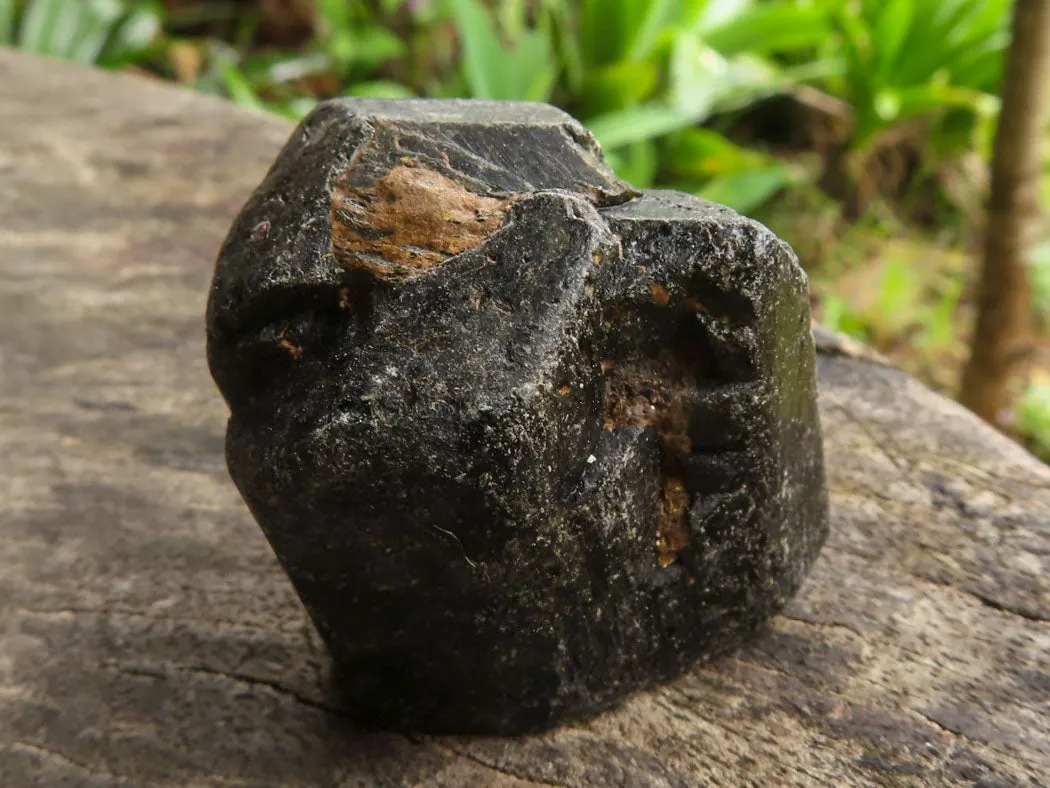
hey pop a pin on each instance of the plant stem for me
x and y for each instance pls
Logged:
(1002, 335)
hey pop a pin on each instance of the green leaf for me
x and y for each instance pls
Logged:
(570, 50)
(375, 45)
(295, 109)
(718, 13)
(856, 41)
(637, 163)
(657, 22)
(937, 36)
(704, 153)
(88, 31)
(695, 70)
(588, 33)
(531, 61)
(512, 16)
(97, 21)
(702, 81)
(133, 36)
(637, 124)
(335, 16)
(747, 190)
(278, 68)
(380, 88)
(341, 45)
(700, 77)
(981, 67)
(1033, 416)
(898, 291)
(49, 27)
(770, 28)
(482, 52)
(889, 34)
(7, 21)
(1040, 262)
(237, 85)
(617, 86)
(524, 71)
(606, 29)
(610, 31)
(939, 321)
(838, 315)
(932, 97)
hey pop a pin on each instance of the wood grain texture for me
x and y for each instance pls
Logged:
(148, 638)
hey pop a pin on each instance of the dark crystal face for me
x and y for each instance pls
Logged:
(523, 438)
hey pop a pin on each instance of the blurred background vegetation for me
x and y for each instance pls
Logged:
(860, 130)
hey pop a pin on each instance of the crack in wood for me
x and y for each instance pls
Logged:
(243, 678)
(60, 758)
(939, 725)
(496, 767)
(1002, 607)
(129, 613)
(879, 687)
(824, 625)
(956, 507)
(985, 600)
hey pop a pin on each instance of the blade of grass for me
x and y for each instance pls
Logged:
(135, 33)
(531, 67)
(482, 52)
(49, 26)
(890, 31)
(97, 22)
(654, 24)
(768, 29)
(237, 85)
(7, 21)
(637, 124)
(747, 190)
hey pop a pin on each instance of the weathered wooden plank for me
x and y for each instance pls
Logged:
(148, 638)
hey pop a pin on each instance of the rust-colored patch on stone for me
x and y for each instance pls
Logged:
(659, 294)
(292, 349)
(672, 535)
(661, 393)
(410, 220)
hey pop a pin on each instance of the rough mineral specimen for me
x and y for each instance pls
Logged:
(524, 438)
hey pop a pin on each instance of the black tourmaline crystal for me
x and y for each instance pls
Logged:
(524, 438)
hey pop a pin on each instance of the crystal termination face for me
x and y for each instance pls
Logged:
(524, 438)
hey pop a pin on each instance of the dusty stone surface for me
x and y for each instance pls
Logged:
(524, 439)
(149, 638)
